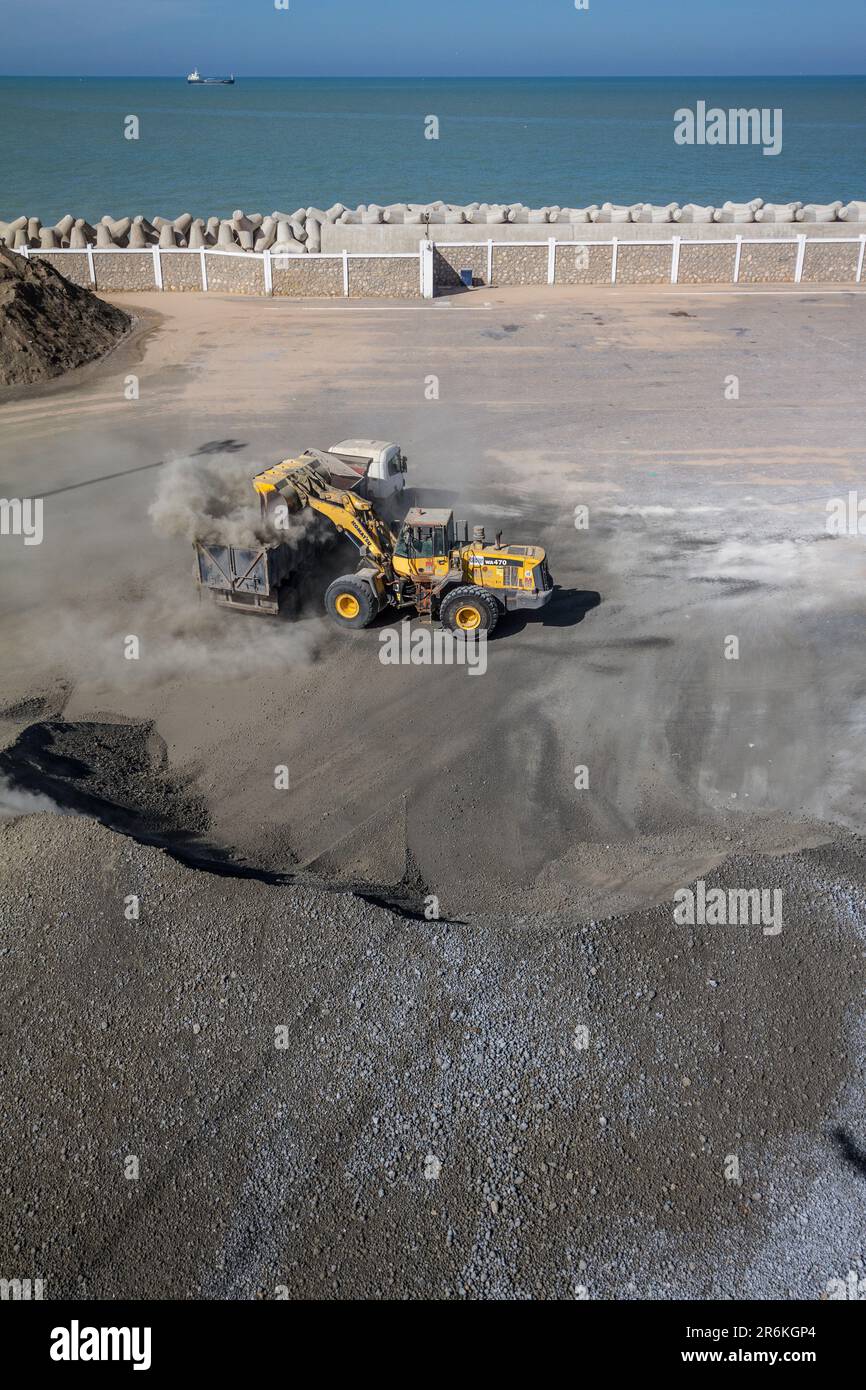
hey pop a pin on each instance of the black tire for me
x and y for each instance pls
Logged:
(351, 602)
(469, 598)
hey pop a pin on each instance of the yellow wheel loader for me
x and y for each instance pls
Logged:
(428, 563)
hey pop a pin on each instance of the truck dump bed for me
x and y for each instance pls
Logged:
(244, 578)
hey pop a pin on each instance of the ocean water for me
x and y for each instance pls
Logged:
(286, 142)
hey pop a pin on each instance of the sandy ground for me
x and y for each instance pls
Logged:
(707, 521)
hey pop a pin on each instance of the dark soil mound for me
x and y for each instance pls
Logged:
(119, 774)
(48, 325)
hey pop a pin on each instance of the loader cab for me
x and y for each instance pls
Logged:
(425, 542)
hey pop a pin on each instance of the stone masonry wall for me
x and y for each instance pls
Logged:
(706, 265)
(72, 266)
(384, 279)
(302, 278)
(120, 270)
(643, 265)
(180, 271)
(763, 260)
(583, 265)
(761, 265)
(520, 265)
(836, 262)
(235, 274)
(448, 261)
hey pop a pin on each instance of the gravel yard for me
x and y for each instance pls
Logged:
(557, 1088)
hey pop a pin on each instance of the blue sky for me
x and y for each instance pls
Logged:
(433, 37)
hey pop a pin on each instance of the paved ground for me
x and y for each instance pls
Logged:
(604, 1165)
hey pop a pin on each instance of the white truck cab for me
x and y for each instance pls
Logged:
(380, 464)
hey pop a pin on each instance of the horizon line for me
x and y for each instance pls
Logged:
(447, 77)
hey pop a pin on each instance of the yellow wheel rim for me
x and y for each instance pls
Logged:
(467, 618)
(347, 606)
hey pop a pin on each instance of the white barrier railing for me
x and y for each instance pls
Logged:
(267, 259)
(424, 256)
(618, 244)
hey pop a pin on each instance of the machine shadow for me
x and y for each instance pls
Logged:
(567, 608)
(849, 1150)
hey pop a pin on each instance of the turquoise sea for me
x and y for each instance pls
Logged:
(284, 142)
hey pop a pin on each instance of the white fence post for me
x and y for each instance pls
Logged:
(90, 266)
(551, 260)
(203, 264)
(157, 268)
(266, 264)
(675, 259)
(860, 258)
(737, 254)
(425, 253)
(614, 249)
(490, 261)
(346, 273)
(801, 252)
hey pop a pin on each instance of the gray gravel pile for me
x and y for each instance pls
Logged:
(328, 1100)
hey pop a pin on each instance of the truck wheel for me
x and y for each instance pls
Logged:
(469, 610)
(351, 602)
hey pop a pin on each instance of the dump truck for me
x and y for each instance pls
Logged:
(428, 563)
(381, 467)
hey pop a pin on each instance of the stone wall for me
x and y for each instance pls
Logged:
(832, 262)
(72, 265)
(643, 261)
(448, 261)
(124, 270)
(643, 265)
(520, 265)
(762, 265)
(234, 274)
(304, 278)
(179, 271)
(706, 265)
(383, 278)
(584, 265)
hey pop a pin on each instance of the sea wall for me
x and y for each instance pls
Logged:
(394, 239)
(399, 226)
(399, 261)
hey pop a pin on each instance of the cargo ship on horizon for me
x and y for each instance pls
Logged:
(196, 79)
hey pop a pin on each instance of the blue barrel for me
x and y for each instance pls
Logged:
(466, 278)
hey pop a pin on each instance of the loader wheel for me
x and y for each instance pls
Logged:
(468, 611)
(351, 602)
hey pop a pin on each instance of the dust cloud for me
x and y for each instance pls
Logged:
(211, 499)
(15, 803)
(181, 631)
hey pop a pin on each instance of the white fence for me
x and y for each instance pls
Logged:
(271, 259)
(801, 241)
